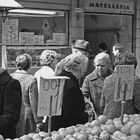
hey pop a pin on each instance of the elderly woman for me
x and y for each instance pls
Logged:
(48, 60)
(28, 115)
(73, 107)
(93, 83)
(113, 109)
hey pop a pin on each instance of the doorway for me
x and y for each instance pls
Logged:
(108, 28)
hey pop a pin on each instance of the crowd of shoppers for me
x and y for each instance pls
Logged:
(21, 89)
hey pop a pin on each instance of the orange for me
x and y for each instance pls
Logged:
(117, 133)
(43, 134)
(70, 130)
(47, 138)
(82, 136)
(36, 136)
(118, 124)
(109, 121)
(95, 122)
(125, 129)
(110, 128)
(90, 137)
(135, 130)
(1, 137)
(126, 118)
(130, 124)
(102, 127)
(26, 137)
(102, 119)
(95, 130)
(134, 137)
(104, 135)
(57, 137)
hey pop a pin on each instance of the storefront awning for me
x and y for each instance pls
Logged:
(9, 4)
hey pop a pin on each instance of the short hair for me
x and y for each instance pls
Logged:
(47, 56)
(119, 47)
(73, 62)
(102, 56)
(103, 46)
(126, 58)
(23, 61)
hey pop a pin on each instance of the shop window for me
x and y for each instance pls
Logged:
(31, 31)
(110, 29)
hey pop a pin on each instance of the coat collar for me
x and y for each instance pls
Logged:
(21, 71)
(94, 75)
(4, 77)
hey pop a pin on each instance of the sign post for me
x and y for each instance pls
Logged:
(50, 97)
(49, 118)
(124, 85)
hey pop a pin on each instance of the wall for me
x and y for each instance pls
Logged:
(138, 36)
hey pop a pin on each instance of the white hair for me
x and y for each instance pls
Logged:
(102, 56)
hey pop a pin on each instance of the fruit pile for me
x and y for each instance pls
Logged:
(99, 129)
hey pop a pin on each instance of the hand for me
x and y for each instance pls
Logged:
(91, 115)
(39, 126)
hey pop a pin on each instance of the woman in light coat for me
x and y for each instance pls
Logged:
(28, 117)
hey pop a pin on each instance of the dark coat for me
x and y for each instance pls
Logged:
(73, 108)
(10, 104)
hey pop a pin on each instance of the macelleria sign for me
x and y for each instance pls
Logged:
(111, 6)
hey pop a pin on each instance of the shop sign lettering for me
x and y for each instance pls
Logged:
(110, 6)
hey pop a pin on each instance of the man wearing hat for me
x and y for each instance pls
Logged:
(82, 46)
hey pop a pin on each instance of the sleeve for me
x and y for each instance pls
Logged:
(74, 105)
(86, 88)
(137, 94)
(33, 96)
(12, 98)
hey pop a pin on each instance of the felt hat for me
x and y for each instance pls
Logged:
(84, 47)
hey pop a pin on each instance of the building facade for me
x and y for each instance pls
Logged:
(97, 21)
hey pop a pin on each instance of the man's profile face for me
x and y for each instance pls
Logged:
(115, 51)
(102, 67)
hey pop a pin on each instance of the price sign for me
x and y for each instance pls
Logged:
(51, 90)
(124, 78)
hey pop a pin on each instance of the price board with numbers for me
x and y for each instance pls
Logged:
(124, 78)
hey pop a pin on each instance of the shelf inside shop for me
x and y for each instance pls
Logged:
(19, 47)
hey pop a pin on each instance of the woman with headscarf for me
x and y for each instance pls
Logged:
(73, 104)
(28, 116)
